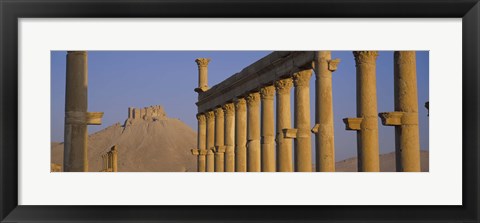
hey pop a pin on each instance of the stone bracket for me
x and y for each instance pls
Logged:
(195, 151)
(289, 133)
(399, 118)
(333, 64)
(86, 118)
(391, 118)
(315, 128)
(352, 123)
(220, 149)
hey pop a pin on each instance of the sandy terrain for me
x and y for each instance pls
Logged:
(143, 146)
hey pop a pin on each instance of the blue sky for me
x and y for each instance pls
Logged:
(122, 79)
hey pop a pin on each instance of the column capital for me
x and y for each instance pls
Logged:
(229, 109)
(283, 86)
(240, 104)
(302, 78)
(201, 117)
(267, 92)
(218, 113)
(362, 57)
(202, 62)
(210, 115)
(253, 99)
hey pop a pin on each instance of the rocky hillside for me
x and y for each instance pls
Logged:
(148, 141)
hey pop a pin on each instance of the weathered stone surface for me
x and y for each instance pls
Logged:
(267, 95)
(324, 127)
(284, 145)
(253, 132)
(229, 111)
(303, 144)
(240, 135)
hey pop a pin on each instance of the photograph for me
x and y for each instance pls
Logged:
(239, 111)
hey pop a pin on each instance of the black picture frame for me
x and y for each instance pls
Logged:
(12, 10)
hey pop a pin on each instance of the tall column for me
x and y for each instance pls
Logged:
(366, 124)
(210, 117)
(219, 140)
(284, 145)
(303, 142)
(76, 116)
(240, 135)
(202, 142)
(202, 74)
(267, 94)
(253, 132)
(405, 117)
(324, 129)
(229, 110)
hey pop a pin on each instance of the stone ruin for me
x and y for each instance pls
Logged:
(152, 113)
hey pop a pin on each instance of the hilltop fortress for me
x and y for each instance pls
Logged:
(151, 113)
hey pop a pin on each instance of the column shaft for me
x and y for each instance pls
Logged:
(201, 142)
(229, 110)
(76, 147)
(324, 136)
(268, 129)
(210, 117)
(114, 159)
(202, 74)
(407, 140)
(240, 135)
(219, 140)
(367, 137)
(284, 146)
(303, 143)
(253, 132)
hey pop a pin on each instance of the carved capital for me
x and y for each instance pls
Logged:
(283, 86)
(363, 57)
(201, 118)
(267, 92)
(302, 78)
(219, 113)
(210, 115)
(202, 62)
(241, 104)
(229, 109)
(253, 99)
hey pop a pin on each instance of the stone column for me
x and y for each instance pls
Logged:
(405, 117)
(229, 110)
(366, 124)
(240, 135)
(210, 118)
(324, 128)
(303, 142)
(284, 145)
(114, 152)
(202, 74)
(253, 132)
(76, 116)
(219, 140)
(267, 94)
(202, 142)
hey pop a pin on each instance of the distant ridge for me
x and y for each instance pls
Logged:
(148, 141)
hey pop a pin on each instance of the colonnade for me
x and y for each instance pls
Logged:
(239, 135)
(110, 160)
